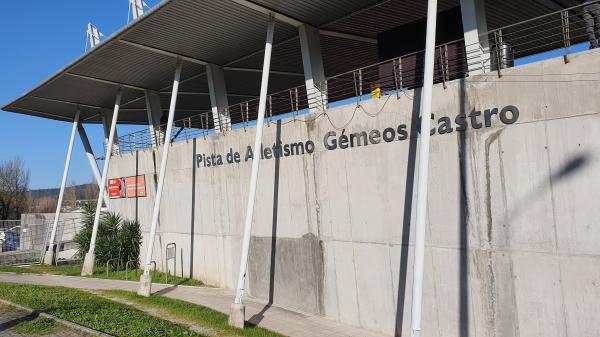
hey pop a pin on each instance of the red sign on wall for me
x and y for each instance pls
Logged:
(116, 188)
(135, 186)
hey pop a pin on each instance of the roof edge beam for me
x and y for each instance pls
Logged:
(91, 78)
(67, 102)
(270, 12)
(206, 94)
(347, 36)
(164, 52)
(250, 70)
(53, 116)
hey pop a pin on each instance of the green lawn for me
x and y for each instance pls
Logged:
(39, 326)
(197, 314)
(92, 311)
(99, 272)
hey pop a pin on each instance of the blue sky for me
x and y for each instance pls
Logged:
(38, 38)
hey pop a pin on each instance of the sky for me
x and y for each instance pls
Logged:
(39, 37)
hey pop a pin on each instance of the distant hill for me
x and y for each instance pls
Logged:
(80, 191)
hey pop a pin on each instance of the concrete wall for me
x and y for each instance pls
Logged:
(512, 238)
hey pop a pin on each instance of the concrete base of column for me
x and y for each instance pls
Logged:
(49, 256)
(145, 286)
(237, 314)
(88, 265)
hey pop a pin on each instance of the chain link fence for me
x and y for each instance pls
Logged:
(26, 241)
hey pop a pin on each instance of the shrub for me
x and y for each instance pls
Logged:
(116, 238)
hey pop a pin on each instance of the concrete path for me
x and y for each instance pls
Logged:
(280, 320)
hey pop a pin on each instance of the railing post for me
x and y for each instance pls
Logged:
(270, 110)
(297, 106)
(206, 129)
(498, 42)
(442, 65)
(360, 85)
(447, 63)
(566, 34)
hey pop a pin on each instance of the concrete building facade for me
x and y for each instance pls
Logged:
(512, 238)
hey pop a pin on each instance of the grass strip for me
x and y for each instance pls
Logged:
(202, 316)
(39, 326)
(92, 311)
(99, 272)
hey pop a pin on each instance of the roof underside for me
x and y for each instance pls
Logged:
(232, 35)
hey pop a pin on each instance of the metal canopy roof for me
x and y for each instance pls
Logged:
(230, 33)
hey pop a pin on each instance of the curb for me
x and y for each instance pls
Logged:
(69, 324)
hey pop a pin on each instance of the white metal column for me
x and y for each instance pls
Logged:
(255, 163)
(314, 72)
(88, 263)
(49, 256)
(477, 47)
(145, 281)
(417, 291)
(91, 159)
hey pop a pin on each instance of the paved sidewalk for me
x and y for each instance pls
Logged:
(283, 321)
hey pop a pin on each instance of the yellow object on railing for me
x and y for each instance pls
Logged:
(376, 93)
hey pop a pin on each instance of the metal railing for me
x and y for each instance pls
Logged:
(495, 51)
(27, 242)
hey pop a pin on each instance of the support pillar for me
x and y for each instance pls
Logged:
(88, 262)
(106, 123)
(50, 253)
(314, 72)
(91, 159)
(477, 47)
(237, 310)
(423, 175)
(154, 110)
(218, 97)
(145, 279)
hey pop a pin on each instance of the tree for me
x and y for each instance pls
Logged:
(14, 187)
(70, 195)
(43, 205)
(90, 190)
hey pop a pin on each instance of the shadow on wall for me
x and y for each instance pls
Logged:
(409, 194)
(572, 166)
(256, 319)
(408, 201)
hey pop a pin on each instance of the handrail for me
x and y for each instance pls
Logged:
(391, 75)
(539, 17)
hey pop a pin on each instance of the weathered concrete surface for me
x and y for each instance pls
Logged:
(511, 239)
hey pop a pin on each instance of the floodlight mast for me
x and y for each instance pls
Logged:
(137, 8)
(93, 35)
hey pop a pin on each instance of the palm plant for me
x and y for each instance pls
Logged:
(116, 238)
